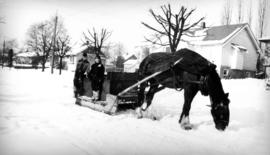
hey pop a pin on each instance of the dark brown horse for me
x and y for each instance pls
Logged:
(193, 73)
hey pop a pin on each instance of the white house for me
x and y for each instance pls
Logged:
(233, 48)
(77, 53)
(131, 63)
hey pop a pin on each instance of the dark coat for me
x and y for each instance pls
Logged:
(97, 77)
(81, 68)
(78, 81)
(97, 71)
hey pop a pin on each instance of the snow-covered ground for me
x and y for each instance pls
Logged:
(38, 117)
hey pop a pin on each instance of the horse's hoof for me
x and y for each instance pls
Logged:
(139, 113)
(144, 106)
(186, 126)
(139, 117)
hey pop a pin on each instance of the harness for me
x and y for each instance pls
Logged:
(202, 83)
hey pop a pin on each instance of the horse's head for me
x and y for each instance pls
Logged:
(220, 112)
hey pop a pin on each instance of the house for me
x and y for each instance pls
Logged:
(131, 63)
(91, 53)
(233, 48)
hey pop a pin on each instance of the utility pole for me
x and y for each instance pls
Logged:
(54, 39)
(3, 54)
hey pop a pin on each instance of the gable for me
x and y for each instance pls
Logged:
(244, 37)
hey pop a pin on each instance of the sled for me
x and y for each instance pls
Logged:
(107, 106)
(118, 100)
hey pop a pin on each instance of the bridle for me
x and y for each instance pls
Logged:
(216, 107)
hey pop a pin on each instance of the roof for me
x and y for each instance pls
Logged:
(221, 35)
(26, 54)
(221, 32)
(131, 62)
(265, 40)
(131, 57)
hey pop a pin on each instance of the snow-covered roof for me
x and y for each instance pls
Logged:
(242, 48)
(26, 54)
(265, 39)
(131, 62)
(130, 57)
(221, 35)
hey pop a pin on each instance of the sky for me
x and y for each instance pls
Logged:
(122, 17)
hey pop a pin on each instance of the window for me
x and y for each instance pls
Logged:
(225, 72)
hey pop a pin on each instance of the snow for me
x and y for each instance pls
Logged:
(38, 117)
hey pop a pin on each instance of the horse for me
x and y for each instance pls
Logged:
(192, 74)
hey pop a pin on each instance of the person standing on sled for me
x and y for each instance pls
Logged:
(81, 72)
(97, 78)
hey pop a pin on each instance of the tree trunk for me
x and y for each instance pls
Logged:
(60, 66)
(43, 64)
(43, 67)
(173, 49)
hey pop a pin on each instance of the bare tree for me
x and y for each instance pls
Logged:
(96, 40)
(240, 11)
(172, 26)
(118, 49)
(62, 46)
(227, 13)
(40, 40)
(249, 14)
(41, 36)
(261, 18)
(8, 46)
(11, 44)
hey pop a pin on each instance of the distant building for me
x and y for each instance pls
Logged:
(76, 55)
(131, 63)
(24, 58)
(233, 48)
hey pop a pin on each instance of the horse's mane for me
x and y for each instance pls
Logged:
(215, 86)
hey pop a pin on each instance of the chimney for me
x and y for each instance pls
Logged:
(203, 25)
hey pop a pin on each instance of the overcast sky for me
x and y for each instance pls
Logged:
(122, 17)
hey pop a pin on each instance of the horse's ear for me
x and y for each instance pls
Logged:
(212, 66)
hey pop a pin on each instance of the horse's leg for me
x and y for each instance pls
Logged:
(190, 90)
(149, 96)
(140, 99)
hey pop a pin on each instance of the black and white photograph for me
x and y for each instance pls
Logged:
(134, 77)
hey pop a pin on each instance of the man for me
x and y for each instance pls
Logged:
(97, 78)
(81, 71)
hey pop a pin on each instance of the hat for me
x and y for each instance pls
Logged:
(97, 57)
(84, 54)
